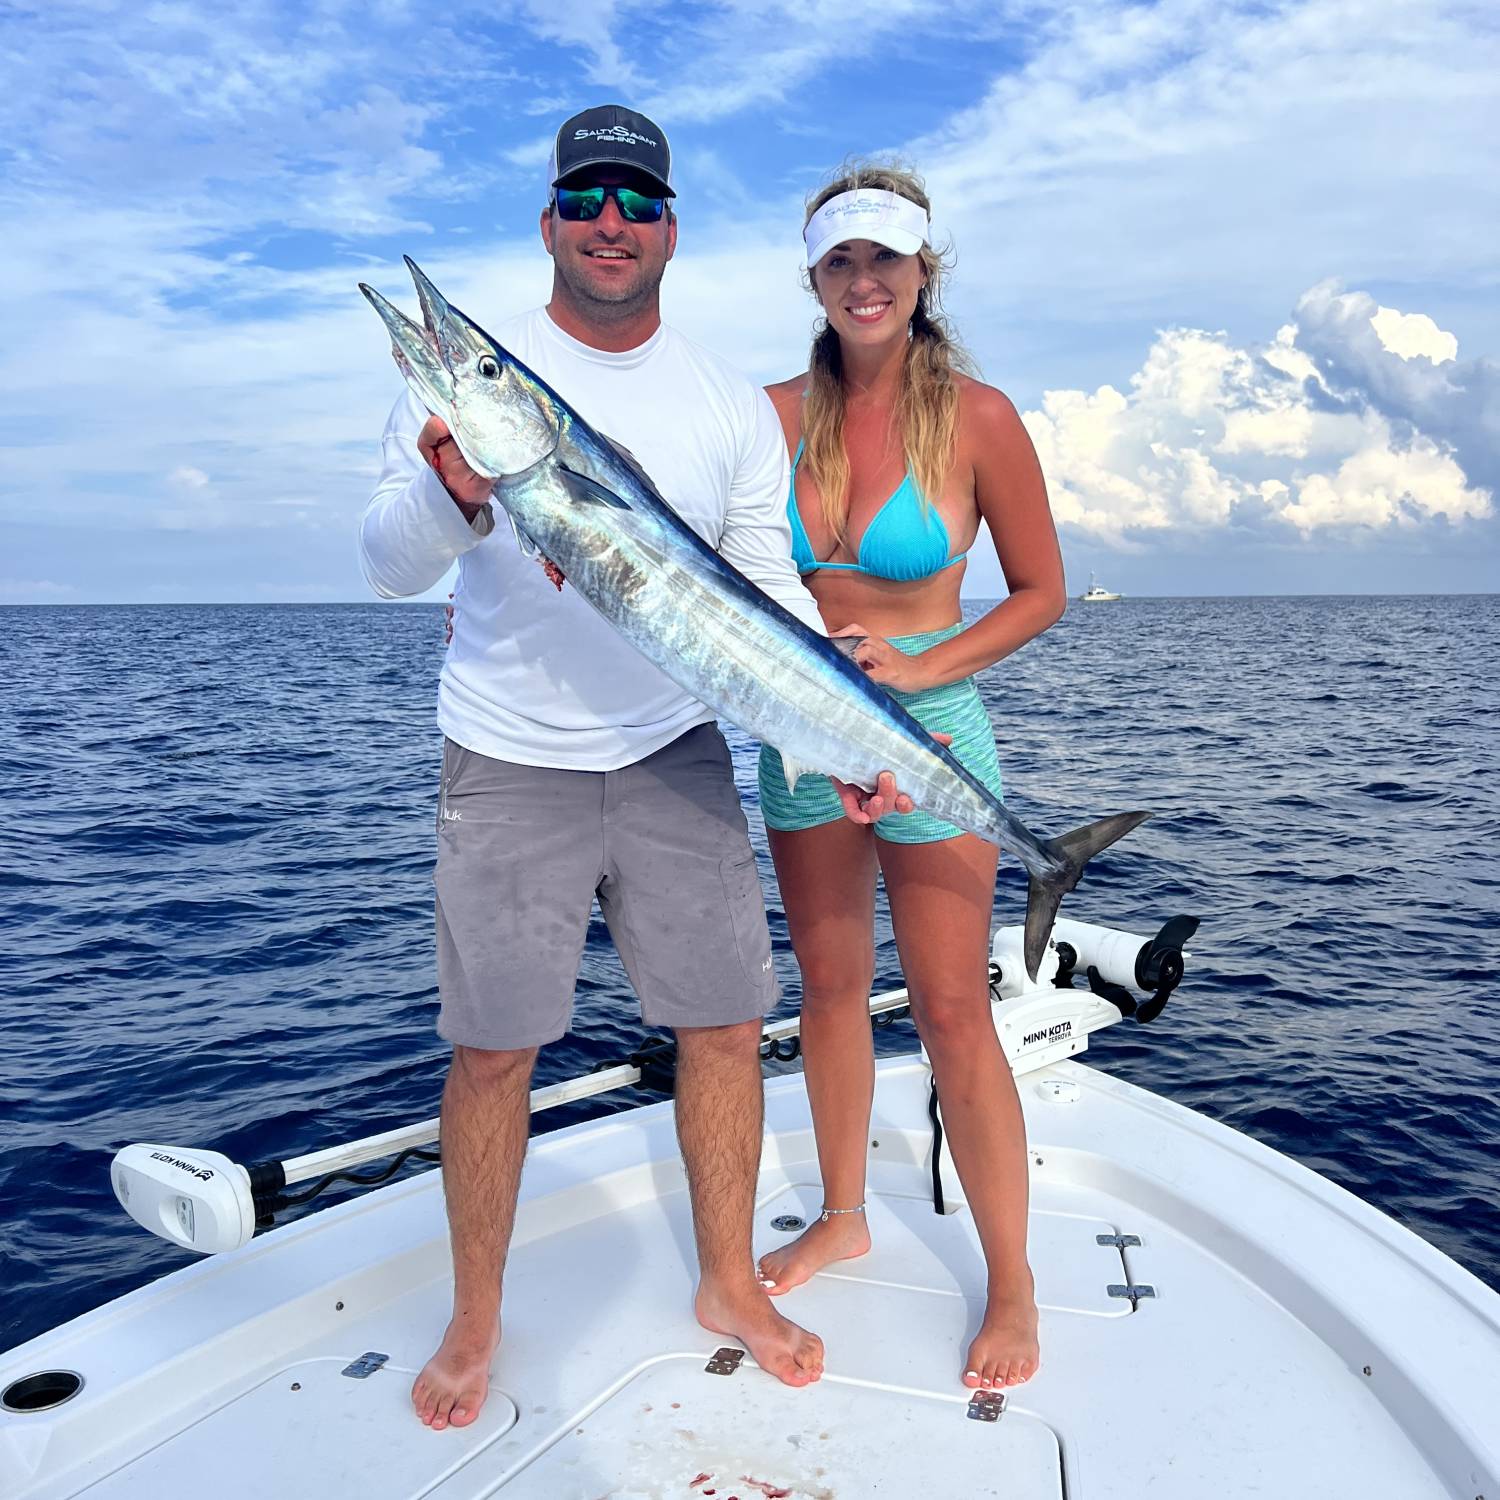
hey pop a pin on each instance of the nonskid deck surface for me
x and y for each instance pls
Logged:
(1210, 1387)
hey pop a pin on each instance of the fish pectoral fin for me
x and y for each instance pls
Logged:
(847, 645)
(589, 491)
(632, 463)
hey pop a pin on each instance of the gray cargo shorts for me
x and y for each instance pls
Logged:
(524, 850)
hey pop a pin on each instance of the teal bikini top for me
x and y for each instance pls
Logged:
(905, 539)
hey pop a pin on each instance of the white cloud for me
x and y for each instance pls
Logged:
(1382, 486)
(231, 119)
(1211, 435)
(737, 55)
(1413, 336)
(1454, 401)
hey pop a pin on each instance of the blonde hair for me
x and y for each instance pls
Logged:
(927, 403)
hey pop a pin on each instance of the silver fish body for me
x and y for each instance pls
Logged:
(585, 504)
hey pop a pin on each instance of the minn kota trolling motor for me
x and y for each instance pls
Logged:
(1042, 1022)
(1047, 1020)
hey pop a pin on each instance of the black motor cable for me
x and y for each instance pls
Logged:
(359, 1179)
(938, 1206)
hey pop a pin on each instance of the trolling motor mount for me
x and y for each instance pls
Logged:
(1115, 962)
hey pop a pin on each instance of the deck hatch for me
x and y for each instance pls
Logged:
(674, 1432)
(1073, 1254)
(308, 1431)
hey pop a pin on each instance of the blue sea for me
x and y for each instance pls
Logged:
(216, 919)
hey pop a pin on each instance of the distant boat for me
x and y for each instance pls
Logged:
(1097, 595)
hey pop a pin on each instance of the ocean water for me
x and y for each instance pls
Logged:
(216, 926)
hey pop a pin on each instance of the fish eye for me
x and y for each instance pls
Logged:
(489, 366)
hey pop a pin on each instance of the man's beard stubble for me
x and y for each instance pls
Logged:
(611, 306)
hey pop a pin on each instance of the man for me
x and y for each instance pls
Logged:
(573, 767)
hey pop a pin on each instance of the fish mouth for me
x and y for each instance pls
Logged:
(502, 418)
(433, 355)
(416, 354)
(437, 357)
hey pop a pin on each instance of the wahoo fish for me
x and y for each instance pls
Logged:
(584, 503)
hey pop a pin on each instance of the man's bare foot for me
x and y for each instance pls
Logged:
(454, 1382)
(841, 1237)
(792, 1354)
(1005, 1351)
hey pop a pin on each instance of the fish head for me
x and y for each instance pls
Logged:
(502, 418)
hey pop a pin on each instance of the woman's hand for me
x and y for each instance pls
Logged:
(886, 664)
(861, 806)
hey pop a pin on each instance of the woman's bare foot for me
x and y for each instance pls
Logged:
(454, 1382)
(841, 1237)
(1004, 1351)
(792, 1354)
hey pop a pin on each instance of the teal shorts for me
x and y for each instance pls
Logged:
(953, 709)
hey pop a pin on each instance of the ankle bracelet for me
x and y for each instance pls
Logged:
(829, 1213)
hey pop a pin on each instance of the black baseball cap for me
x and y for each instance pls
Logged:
(611, 135)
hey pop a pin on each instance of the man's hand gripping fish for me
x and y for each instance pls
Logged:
(586, 505)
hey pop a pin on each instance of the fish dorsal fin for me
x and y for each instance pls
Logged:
(589, 491)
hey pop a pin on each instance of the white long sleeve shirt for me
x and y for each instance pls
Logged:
(536, 676)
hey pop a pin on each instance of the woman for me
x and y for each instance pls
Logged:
(898, 457)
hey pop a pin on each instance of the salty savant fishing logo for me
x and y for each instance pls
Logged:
(614, 133)
(203, 1174)
(1059, 1032)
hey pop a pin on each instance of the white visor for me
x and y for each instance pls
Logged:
(866, 214)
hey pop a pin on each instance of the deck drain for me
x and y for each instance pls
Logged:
(788, 1222)
(42, 1391)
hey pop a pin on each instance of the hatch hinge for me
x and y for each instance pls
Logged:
(725, 1361)
(1119, 1241)
(986, 1406)
(365, 1366)
(1136, 1290)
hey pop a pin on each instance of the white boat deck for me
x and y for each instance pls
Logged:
(1299, 1344)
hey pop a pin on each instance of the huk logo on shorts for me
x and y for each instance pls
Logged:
(449, 816)
(765, 968)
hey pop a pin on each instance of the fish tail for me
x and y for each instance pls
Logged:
(1072, 851)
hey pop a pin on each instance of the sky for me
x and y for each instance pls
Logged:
(1233, 262)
